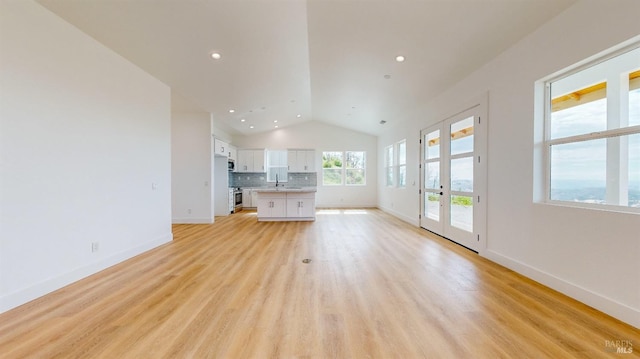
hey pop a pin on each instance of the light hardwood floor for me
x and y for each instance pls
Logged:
(376, 288)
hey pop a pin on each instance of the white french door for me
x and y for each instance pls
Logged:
(449, 167)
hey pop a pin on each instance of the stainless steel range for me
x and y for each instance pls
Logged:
(235, 200)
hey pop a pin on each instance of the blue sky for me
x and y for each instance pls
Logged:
(586, 161)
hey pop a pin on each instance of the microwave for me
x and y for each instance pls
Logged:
(231, 165)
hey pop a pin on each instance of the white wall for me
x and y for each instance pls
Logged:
(191, 168)
(322, 137)
(590, 255)
(83, 136)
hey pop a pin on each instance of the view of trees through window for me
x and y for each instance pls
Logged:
(346, 167)
(331, 168)
(354, 173)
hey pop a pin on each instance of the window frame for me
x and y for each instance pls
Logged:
(401, 164)
(389, 161)
(364, 168)
(547, 142)
(269, 166)
(343, 169)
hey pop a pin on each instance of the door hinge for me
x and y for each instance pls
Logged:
(478, 199)
(478, 238)
(478, 159)
(478, 120)
(419, 216)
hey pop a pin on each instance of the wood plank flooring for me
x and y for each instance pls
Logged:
(376, 287)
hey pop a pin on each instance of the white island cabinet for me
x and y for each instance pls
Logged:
(272, 205)
(284, 204)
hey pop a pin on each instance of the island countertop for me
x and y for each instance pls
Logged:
(285, 189)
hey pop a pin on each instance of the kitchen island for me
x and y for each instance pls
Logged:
(286, 203)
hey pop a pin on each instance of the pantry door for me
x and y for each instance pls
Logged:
(449, 161)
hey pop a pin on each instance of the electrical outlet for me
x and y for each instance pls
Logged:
(189, 211)
(95, 246)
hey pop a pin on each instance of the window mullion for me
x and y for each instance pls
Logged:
(596, 135)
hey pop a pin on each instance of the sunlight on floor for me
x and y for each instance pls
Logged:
(341, 211)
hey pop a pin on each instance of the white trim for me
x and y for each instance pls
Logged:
(25, 295)
(607, 305)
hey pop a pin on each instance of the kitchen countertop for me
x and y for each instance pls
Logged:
(286, 189)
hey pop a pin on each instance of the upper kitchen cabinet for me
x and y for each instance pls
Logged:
(233, 153)
(221, 148)
(250, 161)
(301, 160)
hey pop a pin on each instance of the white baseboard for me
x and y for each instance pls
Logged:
(192, 220)
(609, 306)
(412, 221)
(25, 295)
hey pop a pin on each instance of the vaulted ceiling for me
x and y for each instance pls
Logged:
(293, 60)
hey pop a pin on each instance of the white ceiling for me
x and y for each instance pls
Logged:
(325, 60)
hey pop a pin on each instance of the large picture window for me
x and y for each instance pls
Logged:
(592, 134)
(344, 168)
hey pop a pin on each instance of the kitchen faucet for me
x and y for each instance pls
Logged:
(276, 180)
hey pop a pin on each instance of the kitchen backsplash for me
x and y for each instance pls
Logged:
(260, 180)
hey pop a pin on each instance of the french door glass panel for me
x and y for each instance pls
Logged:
(448, 159)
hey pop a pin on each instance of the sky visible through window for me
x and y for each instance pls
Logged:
(579, 169)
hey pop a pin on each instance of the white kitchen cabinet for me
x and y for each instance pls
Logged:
(242, 164)
(247, 198)
(250, 161)
(301, 161)
(272, 205)
(233, 153)
(258, 161)
(254, 198)
(221, 148)
(301, 205)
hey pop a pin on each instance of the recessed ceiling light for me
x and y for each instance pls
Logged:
(251, 126)
(216, 56)
(400, 58)
(232, 111)
(275, 121)
(242, 120)
(298, 115)
(276, 126)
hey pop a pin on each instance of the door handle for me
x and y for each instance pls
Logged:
(441, 193)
